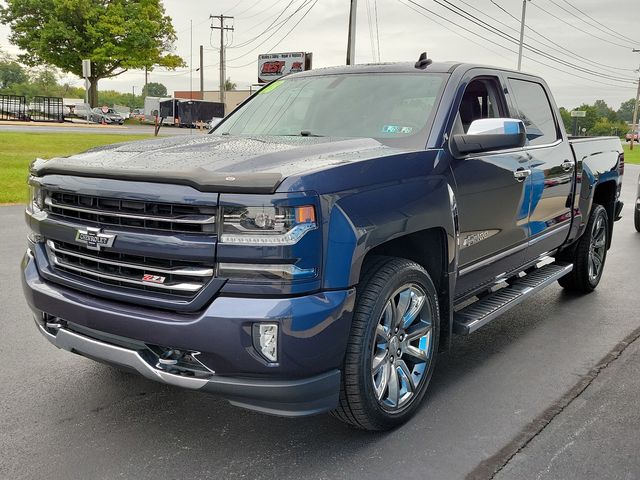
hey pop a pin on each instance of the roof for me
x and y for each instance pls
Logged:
(400, 67)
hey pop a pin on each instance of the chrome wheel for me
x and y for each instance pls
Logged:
(402, 348)
(597, 248)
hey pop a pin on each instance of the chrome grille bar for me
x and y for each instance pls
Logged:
(107, 271)
(186, 271)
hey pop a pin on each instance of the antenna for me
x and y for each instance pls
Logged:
(423, 62)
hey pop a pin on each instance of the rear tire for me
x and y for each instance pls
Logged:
(589, 254)
(636, 219)
(392, 346)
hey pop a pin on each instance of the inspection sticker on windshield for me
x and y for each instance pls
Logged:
(396, 129)
(271, 87)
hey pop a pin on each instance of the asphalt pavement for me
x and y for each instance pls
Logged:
(549, 390)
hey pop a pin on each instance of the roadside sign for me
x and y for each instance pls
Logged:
(86, 68)
(272, 66)
(578, 113)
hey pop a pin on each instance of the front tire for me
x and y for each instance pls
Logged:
(636, 219)
(392, 346)
(589, 254)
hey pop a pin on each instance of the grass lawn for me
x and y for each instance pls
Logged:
(18, 149)
(632, 156)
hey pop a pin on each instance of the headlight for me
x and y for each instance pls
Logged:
(36, 200)
(267, 225)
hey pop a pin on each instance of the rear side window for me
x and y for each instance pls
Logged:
(534, 110)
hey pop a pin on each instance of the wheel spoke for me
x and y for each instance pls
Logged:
(592, 265)
(417, 302)
(387, 316)
(382, 332)
(404, 300)
(419, 331)
(394, 386)
(378, 361)
(597, 263)
(384, 380)
(406, 373)
(416, 353)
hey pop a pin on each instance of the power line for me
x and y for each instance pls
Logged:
(626, 47)
(555, 68)
(371, 34)
(490, 28)
(445, 25)
(281, 25)
(266, 30)
(558, 47)
(285, 36)
(595, 23)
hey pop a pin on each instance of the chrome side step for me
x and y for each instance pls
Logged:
(479, 313)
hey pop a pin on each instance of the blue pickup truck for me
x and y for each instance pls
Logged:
(325, 241)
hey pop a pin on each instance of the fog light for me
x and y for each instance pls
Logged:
(265, 340)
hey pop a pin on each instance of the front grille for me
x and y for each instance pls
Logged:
(104, 211)
(177, 278)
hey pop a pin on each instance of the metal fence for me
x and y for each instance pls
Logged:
(46, 109)
(13, 107)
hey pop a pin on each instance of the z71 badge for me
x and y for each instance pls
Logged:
(147, 277)
(94, 239)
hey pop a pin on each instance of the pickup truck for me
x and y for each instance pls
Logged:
(318, 248)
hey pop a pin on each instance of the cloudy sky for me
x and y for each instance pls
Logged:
(593, 44)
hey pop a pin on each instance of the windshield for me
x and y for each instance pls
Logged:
(395, 108)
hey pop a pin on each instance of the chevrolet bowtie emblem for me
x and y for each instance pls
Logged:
(94, 239)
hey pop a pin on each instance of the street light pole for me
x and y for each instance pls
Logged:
(524, 13)
(634, 127)
(351, 39)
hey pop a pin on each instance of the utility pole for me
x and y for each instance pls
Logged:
(524, 13)
(146, 81)
(351, 40)
(634, 127)
(201, 72)
(222, 29)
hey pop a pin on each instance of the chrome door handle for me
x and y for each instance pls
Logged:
(567, 165)
(521, 173)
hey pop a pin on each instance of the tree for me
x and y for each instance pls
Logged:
(154, 89)
(566, 119)
(11, 73)
(625, 112)
(115, 35)
(229, 85)
(603, 110)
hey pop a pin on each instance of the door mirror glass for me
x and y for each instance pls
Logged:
(489, 134)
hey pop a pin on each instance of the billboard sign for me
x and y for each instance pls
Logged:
(272, 66)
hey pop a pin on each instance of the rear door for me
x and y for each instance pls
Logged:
(493, 205)
(551, 160)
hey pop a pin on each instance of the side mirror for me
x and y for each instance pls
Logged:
(489, 134)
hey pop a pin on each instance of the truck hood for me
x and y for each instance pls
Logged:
(216, 163)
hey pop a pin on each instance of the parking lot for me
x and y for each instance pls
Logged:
(500, 391)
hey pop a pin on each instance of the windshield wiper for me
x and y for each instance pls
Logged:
(307, 133)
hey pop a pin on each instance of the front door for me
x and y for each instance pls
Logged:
(493, 201)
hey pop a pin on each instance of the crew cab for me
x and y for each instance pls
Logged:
(326, 240)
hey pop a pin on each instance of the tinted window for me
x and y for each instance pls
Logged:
(534, 110)
(394, 108)
(479, 101)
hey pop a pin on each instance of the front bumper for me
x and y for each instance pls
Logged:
(280, 397)
(313, 333)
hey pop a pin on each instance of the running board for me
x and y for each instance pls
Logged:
(488, 308)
